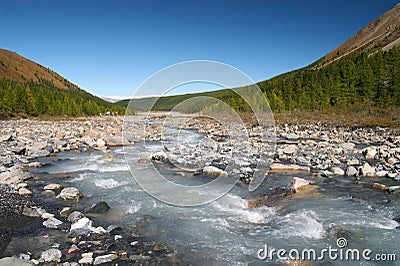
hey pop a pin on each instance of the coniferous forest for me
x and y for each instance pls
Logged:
(36, 99)
(357, 81)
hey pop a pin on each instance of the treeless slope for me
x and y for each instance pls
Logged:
(381, 33)
(18, 68)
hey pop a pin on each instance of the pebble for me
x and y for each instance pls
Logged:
(104, 259)
(52, 223)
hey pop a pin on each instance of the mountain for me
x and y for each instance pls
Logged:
(382, 33)
(28, 88)
(361, 74)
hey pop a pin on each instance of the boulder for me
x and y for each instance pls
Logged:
(70, 193)
(100, 207)
(380, 186)
(212, 170)
(297, 184)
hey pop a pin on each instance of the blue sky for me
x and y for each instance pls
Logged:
(111, 47)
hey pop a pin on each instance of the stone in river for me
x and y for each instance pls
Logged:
(100, 207)
(381, 186)
(65, 212)
(53, 187)
(348, 146)
(394, 189)
(70, 193)
(297, 184)
(51, 255)
(292, 136)
(212, 170)
(75, 216)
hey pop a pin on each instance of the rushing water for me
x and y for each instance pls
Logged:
(226, 232)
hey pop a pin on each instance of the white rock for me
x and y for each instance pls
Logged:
(52, 223)
(83, 223)
(212, 170)
(52, 187)
(24, 191)
(290, 149)
(51, 255)
(70, 193)
(337, 171)
(370, 152)
(367, 170)
(297, 183)
(105, 258)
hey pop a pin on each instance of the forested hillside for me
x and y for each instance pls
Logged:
(27, 88)
(44, 99)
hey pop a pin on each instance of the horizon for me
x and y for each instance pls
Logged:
(111, 48)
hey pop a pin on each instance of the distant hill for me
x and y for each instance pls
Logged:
(362, 73)
(31, 89)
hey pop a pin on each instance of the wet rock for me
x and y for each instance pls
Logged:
(297, 184)
(212, 170)
(160, 156)
(34, 164)
(80, 227)
(337, 171)
(104, 259)
(367, 170)
(65, 212)
(70, 193)
(381, 173)
(380, 186)
(53, 187)
(52, 223)
(351, 171)
(51, 255)
(292, 136)
(13, 261)
(394, 189)
(75, 216)
(100, 207)
(289, 167)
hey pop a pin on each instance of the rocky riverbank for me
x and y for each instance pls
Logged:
(320, 150)
(84, 242)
